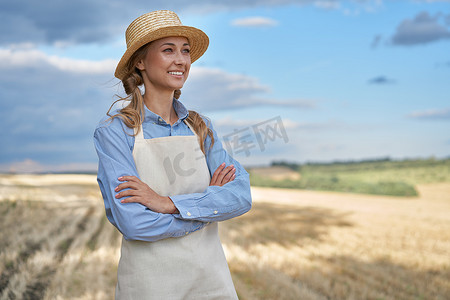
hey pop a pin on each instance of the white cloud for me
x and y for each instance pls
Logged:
(229, 121)
(210, 89)
(327, 4)
(432, 114)
(229, 124)
(233, 82)
(293, 103)
(350, 8)
(83, 66)
(254, 22)
(26, 56)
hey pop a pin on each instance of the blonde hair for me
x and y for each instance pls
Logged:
(132, 114)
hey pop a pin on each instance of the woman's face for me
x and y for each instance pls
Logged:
(167, 63)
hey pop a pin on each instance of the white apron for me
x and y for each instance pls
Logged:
(189, 267)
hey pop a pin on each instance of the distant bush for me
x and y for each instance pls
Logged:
(382, 176)
(292, 166)
(333, 183)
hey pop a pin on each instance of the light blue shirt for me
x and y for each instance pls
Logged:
(114, 143)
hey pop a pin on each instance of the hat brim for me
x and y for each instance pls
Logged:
(198, 41)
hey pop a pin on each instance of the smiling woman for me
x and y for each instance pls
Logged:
(166, 181)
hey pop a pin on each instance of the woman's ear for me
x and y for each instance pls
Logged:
(140, 65)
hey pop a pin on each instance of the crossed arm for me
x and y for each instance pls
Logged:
(133, 190)
(141, 214)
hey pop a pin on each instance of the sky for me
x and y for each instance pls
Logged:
(296, 81)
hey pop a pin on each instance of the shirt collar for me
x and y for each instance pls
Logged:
(179, 107)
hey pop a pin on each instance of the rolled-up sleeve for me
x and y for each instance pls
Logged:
(217, 203)
(133, 220)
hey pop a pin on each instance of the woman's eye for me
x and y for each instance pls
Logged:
(168, 50)
(187, 50)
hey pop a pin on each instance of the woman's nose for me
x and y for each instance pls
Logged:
(181, 59)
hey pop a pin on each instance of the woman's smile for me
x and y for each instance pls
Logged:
(177, 74)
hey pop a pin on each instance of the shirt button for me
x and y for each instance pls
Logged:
(215, 212)
(160, 119)
(187, 232)
(188, 214)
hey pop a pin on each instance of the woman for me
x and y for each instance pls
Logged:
(165, 178)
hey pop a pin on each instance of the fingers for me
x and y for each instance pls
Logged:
(132, 200)
(125, 185)
(223, 175)
(231, 178)
(216, 173)
(127, 193)
(229, 175)
(131, 182)
(128, 178)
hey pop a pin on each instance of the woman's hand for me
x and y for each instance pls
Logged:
(140, 192)
(223, 175)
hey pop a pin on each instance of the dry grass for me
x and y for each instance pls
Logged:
(319, 245)
(55, 243)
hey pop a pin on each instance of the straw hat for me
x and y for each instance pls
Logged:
(156, 25)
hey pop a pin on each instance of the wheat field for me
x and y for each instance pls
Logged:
(55, 243)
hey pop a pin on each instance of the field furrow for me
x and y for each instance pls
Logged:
(34, 274)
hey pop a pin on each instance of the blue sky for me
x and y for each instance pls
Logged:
(340, 80)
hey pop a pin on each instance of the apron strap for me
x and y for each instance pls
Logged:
(195, 133)
(140, 135)
(192, 129)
